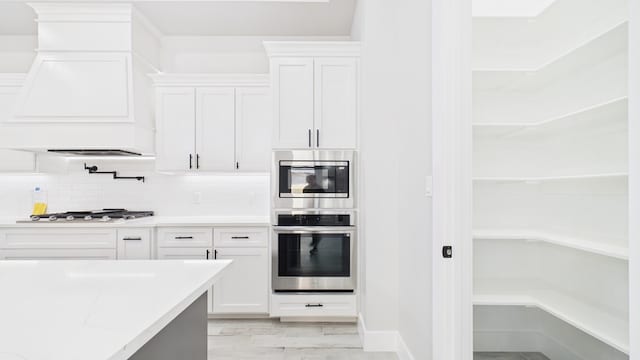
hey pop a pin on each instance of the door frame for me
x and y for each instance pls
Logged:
(452, 331)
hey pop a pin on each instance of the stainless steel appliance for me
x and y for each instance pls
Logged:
(313, 179)
(104, 215)
(314, 251)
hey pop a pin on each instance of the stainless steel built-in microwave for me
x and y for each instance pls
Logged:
(313, 179)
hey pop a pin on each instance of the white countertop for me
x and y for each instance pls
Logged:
(151, 221)
(81, 310)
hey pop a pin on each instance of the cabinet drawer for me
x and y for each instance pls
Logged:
(313, 305)
(240, 237)
(185, 237)
(58, 254)
(69, 238)
(184, 253)
(134, 244)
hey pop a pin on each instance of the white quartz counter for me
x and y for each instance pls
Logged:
(81, 310)
(152, 221)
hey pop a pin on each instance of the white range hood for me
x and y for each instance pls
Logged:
(88, 86)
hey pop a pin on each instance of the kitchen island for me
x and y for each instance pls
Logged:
(80, 310)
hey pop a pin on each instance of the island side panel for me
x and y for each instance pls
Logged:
(184, 338)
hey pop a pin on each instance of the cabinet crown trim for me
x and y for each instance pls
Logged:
(84, 12)
(210, 79)
(312, 48)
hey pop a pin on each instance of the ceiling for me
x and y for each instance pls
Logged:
(219, 18)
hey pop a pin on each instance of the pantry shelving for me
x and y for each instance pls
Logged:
(550, 172)
(604, 326)
(595, 247)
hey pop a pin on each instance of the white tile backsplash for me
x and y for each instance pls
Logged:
(166, 194)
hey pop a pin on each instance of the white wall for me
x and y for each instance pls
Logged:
(221, 54)
(395, 159)
(17, 53)
(168, 195)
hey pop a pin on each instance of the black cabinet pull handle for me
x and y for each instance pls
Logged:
(197, 161)
(314, 305)
(190, 161)
(132, 239)
(183, 237)
(215, 254)
(317, 137)
(239, 237)
(208, 252)
(237, 165)
(309, 137)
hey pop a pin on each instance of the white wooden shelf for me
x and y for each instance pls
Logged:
(540, 179)
(604, 326)
(589, 54)
(612, 113)
(613, 251)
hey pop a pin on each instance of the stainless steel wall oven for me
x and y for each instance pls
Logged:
(314, 251)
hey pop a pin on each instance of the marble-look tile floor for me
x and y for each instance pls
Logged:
(509, 356)
(270, 339)
(273, 340)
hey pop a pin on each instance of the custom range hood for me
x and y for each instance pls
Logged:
(87, 91)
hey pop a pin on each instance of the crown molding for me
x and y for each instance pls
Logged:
(312, 48)
(82, 12)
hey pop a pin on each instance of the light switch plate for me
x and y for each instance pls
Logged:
(197, 197)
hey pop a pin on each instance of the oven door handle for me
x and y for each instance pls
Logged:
(313, 229)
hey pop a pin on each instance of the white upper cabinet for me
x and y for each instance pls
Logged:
(175, 122)
(293, 102)
(336, 102)
(213, 123)
(315, 94)
(215, 129)
(253, 125)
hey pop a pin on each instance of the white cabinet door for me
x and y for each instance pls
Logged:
(184, 253)
(184, 237)
(215, 129)
(175, 122)
(336, 102)
(244, 288)
(253, 129)
(134, 244)
(57, 254)
(292, 86)
(17, 161)
(240, 237)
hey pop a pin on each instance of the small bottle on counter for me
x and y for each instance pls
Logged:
(39, 201)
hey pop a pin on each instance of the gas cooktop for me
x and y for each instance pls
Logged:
(104, 215)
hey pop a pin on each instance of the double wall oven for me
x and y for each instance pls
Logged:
(314, 233)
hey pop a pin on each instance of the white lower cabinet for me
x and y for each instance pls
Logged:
(61, 243)
(299, 305)
(244, 288)
(134, 244)
(57, 254)
(184, 253)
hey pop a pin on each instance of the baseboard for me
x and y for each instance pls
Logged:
(373, 340)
